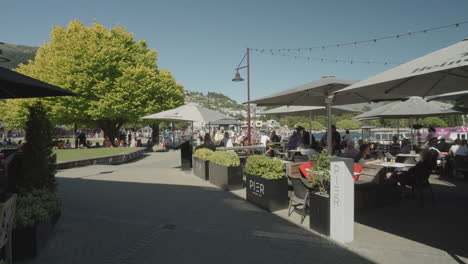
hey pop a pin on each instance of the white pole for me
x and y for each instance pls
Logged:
(328, 100)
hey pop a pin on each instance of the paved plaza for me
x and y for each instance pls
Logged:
(149, 211)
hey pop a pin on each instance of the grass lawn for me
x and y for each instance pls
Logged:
(76, 154)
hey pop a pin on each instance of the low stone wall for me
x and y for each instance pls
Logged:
(106, 160)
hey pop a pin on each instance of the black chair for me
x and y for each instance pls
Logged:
(299, 200)
(421, 183)
(460, 165)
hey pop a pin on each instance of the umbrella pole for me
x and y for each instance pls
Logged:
(398, 131)
(329, 121)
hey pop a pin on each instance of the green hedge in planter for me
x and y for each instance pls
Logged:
(320, 172)
(264, 167)
(225, 158)
(203, 154)
(36, 206)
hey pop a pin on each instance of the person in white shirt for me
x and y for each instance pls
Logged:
(227, 142)
(462, 150)
(347, 138)
(454, 148)
(264, 139)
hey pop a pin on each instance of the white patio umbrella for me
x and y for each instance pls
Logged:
(439, 72)
(295, 110)
(190, 113)
(411, 108)
(461, 98)
(317, 93)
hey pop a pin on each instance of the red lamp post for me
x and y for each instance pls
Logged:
(238, 78)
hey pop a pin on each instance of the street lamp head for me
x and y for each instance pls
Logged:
(237, 78)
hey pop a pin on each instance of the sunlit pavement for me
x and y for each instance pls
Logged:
(149, 211)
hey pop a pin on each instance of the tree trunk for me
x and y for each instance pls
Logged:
(111, 128)
(75, 131)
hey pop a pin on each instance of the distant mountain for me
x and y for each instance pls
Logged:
(216, 101)
(17, 54)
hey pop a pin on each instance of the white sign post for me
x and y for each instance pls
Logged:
(342, 200)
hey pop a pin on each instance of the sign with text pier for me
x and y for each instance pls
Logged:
(342, 200)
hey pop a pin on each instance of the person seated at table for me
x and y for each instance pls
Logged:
(435, 152)
(226, 142)
(415, 175)
(442, 145)
(350, 151)
(293, 141)
(394, 146)
(346, 138)
(274, 137)
(364, 157)
(208, 143)
(359, 143)
(462, 149)
(405, 146)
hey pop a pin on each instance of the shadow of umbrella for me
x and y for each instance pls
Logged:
(17, 85)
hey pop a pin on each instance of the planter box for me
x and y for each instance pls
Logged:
(201, 168)
(319, 213)
(28, 242)
(271, 195)
(226, 178)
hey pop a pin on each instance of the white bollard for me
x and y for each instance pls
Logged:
(342, 200)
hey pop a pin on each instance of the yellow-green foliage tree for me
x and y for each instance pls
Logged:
(116, 77)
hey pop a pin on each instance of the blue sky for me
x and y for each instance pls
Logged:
(202, 41)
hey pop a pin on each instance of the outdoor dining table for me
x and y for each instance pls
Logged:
(408, 158)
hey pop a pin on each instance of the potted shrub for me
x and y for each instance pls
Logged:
(267, 186)
(200, 162)
(225, 170)
(36, 216)
(319, 207)
(38, 207)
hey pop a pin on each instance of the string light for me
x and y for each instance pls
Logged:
(408, 33)
(336, 60)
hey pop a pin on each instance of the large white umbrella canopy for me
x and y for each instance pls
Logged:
(439, 72)
(303, 110)
(317, 93)
(461, 98)
(310, 94)
(411, 108)
(189, 113)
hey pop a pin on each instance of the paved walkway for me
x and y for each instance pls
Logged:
(148, 211)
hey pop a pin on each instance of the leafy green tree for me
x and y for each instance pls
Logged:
(433, 121)
(348, 124)
(116, 77)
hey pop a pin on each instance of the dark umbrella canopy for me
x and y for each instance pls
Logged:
(17, 85)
